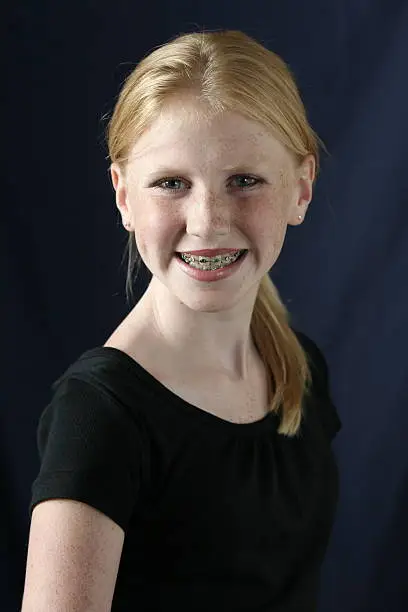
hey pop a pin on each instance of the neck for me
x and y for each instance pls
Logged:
(219, 341)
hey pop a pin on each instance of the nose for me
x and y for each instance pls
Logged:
(208, 215)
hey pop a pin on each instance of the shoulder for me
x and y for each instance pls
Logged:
(107, 377)
(99, 366)
(90, 389)
(310, 347)
(316, 359)
(92, 444)
(320, 396)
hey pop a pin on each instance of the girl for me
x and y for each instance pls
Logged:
(187, 462)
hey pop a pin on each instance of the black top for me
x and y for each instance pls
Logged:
(217, 515)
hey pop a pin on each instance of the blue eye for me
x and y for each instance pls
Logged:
(168, 180)
(244, 176)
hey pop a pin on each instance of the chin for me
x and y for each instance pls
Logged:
(210, 300)
(205, 302)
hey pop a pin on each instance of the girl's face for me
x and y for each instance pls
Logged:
(194, 182)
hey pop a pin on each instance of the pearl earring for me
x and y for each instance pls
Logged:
(300, 217)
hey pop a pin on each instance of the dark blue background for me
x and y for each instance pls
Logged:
(343, 273)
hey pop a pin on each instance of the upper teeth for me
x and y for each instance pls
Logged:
(204, 259)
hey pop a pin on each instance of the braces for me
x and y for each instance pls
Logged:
(210, 260)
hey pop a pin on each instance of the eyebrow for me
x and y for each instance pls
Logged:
(169, 171)
(165, 170)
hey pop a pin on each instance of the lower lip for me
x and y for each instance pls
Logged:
(211, 275)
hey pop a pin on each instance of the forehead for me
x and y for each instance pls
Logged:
(188, 133)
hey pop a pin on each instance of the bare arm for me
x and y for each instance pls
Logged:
(73, 558)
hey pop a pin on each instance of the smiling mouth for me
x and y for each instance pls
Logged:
(202, 262)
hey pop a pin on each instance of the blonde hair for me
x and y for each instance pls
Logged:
(229, 71)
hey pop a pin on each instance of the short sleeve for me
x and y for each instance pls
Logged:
(90, 450)
(327, 411)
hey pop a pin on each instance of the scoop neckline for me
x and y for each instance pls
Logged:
(268, 422)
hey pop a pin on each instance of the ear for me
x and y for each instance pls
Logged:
(120, 186)
(305, 175)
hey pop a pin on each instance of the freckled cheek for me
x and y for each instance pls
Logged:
(265, 226)
(156, 233)
(262, 216)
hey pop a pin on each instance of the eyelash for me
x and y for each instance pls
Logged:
(176, 178)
